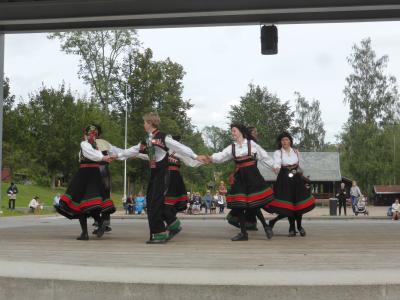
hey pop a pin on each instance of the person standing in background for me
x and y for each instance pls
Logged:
(355, 193)
(12, 192)
(342, 198)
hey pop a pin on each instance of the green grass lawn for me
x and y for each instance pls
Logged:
(45, 194)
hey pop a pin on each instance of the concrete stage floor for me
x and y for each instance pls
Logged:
(338, 259)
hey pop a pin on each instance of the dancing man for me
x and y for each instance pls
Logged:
(157, 145)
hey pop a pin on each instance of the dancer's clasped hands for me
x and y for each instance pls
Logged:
(205, 159)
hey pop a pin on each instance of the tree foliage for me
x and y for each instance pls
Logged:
(101, 55)
(309, 129)
(266, 112)
(367, 137)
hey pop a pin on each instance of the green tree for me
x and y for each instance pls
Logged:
(216, 138)
(371, 94)
(374, 102)
(265, 111)
(47, 132)
(101, 55)
(9, 99)
(155, 86)
(309, 129)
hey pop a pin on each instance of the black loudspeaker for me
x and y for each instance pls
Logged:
(269, 40)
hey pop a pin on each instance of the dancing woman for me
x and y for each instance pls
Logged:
(292, 198)
(248, 189)
(86, 196)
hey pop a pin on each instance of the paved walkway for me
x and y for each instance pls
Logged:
(318, 212)
(336, 259)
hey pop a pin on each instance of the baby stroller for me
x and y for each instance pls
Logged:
(361, 207)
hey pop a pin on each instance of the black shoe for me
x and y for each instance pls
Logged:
(94, 232)
(100, 230)
(268, 232)
(83, 237)
(173, 233)
(107, 229)
(302, 231)
(292, 233)
(240, 237)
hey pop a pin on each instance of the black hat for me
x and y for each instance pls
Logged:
(243, 129)
(283, 135)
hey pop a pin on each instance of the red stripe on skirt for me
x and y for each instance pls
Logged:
(79, 207)
(173, 201)
(107, 203)
(265, 194)
(306, 204)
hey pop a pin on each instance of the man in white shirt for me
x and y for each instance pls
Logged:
(157, 146)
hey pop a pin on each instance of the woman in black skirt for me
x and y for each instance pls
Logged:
(292, 198)
(176, 198)
(86, 195)
(248, 189)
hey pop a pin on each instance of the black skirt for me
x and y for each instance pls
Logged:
(249, 189)
(291, 197)
(86, 195)
(176, 194)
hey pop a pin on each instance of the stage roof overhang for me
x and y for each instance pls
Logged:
(47, 15)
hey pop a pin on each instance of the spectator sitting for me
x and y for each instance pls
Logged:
(140, 203)
(396, 209)
(35, 205)
(130, 205)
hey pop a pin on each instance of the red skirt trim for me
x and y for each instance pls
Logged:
(251, 198)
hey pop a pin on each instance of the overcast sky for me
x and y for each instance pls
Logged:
(220, 62)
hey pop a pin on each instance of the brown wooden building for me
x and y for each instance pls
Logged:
(323, 170)
(385, 194)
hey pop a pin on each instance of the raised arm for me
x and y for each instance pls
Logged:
(130, 152)
(179, 148)
(222, 156)
(188, 161)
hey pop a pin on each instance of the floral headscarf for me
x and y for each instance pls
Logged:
(91, 133)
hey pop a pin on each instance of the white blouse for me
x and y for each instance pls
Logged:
(186, 160)
(241, 150)
(90, 153)
(160, 153)
(284, 158)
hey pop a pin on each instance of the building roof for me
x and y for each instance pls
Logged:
(319, 166)
(49, 15)
(387, 189)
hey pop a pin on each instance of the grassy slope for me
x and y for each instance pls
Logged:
(46, 195)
